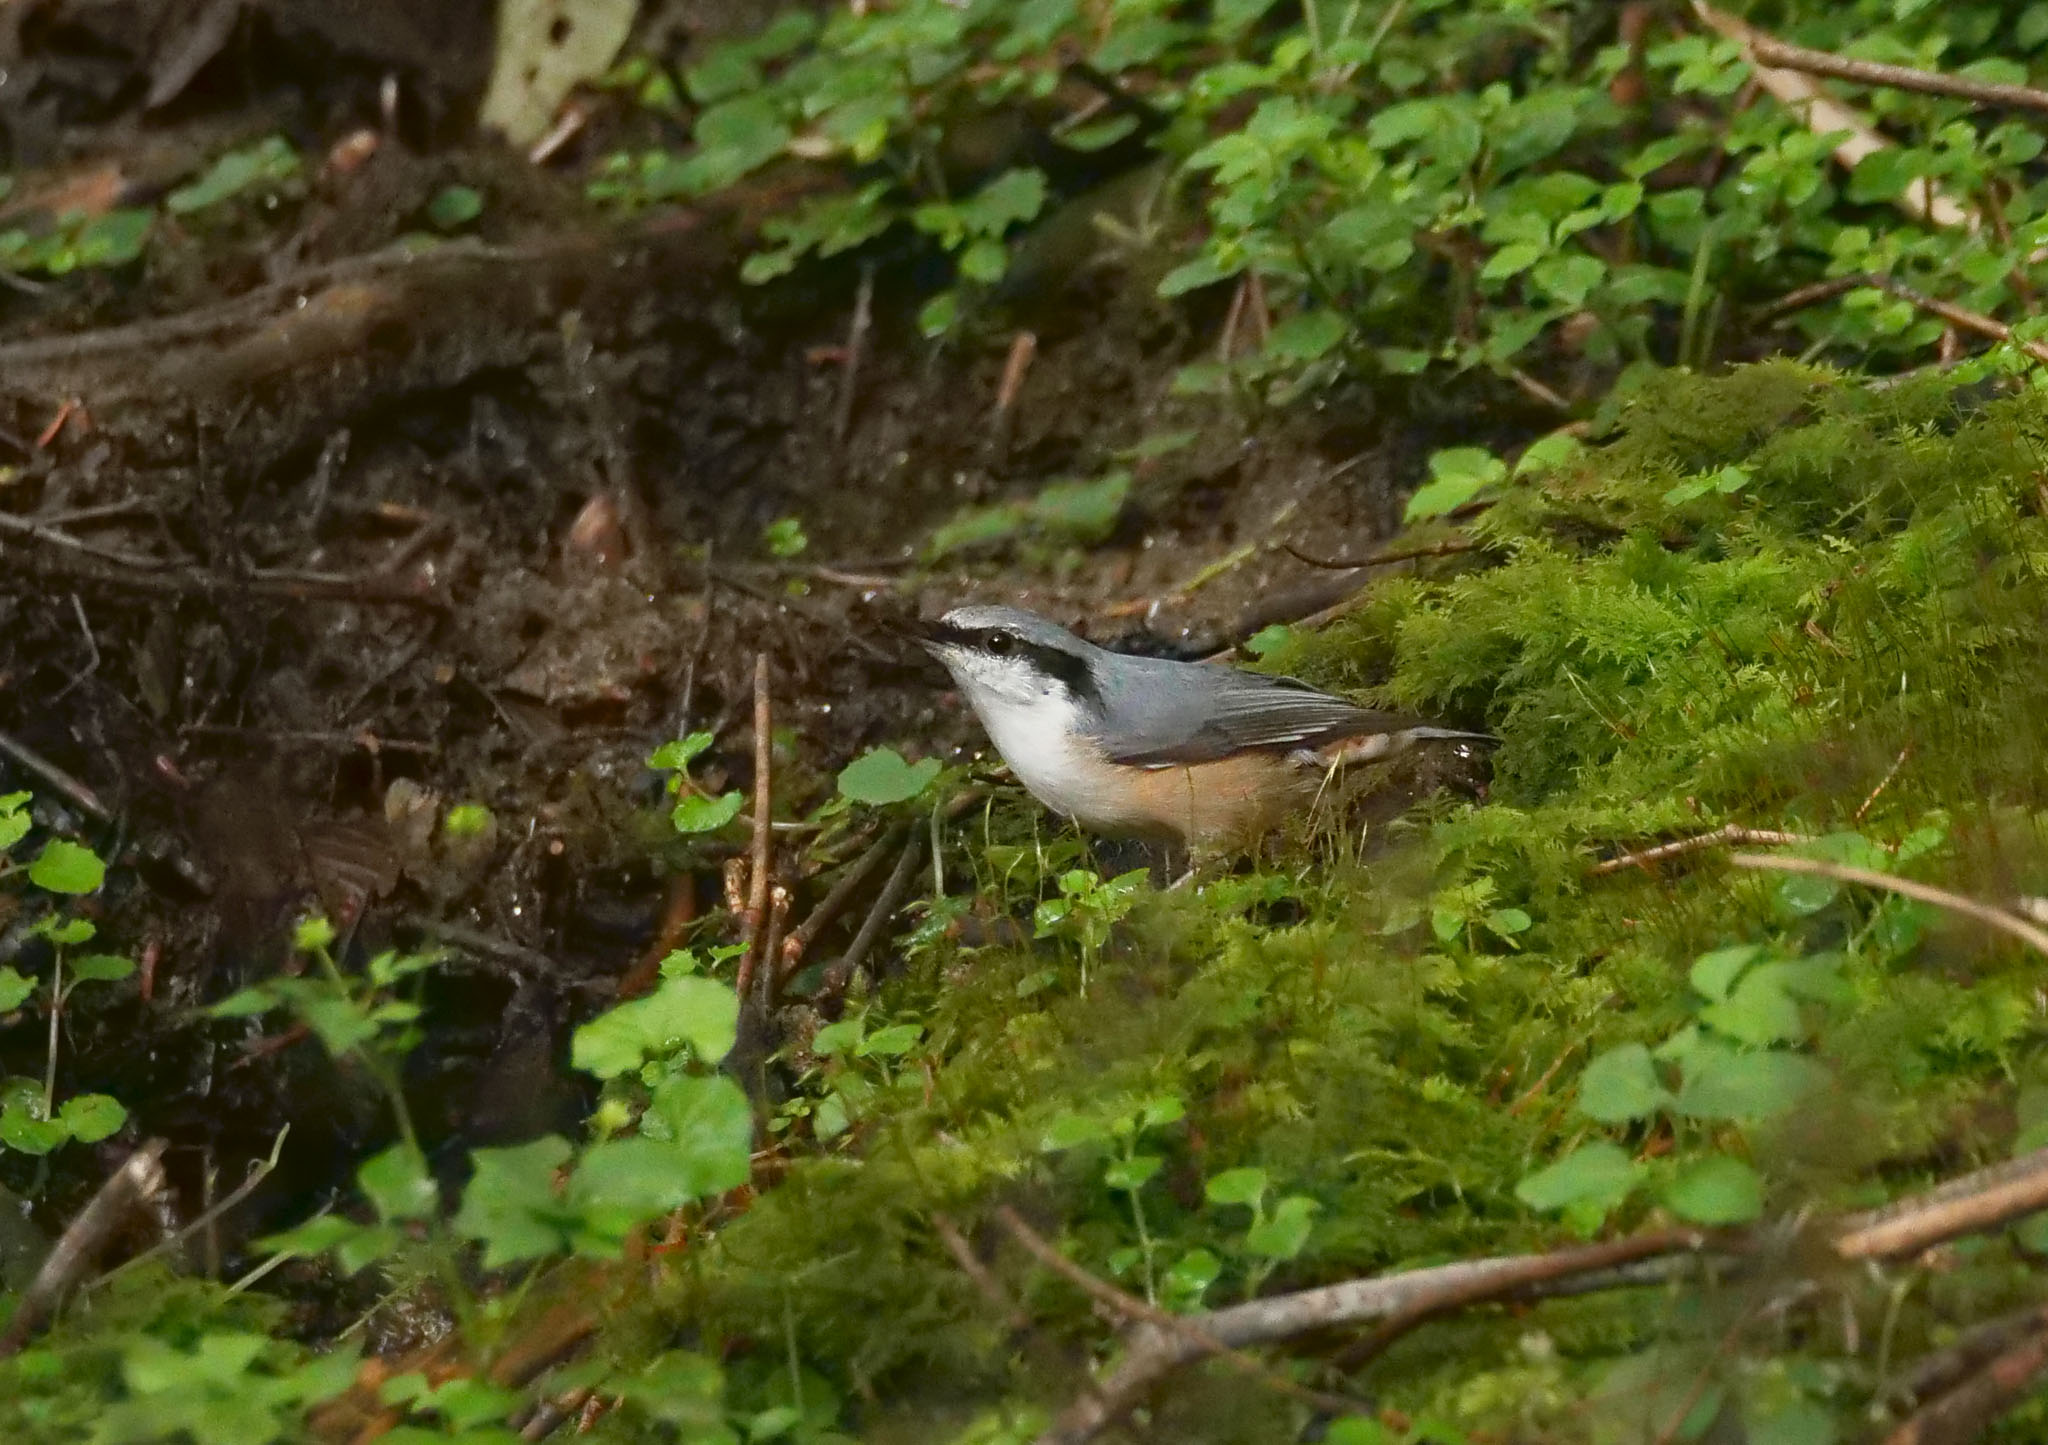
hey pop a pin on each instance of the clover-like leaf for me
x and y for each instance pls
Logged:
(881, 776)
(1716, 1190)
(67, 867)
(89, 1118)
(690, 1009)
(699, 813)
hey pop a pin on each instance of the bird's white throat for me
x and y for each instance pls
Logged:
(1041, 736)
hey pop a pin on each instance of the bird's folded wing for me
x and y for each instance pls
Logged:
(1249, 713)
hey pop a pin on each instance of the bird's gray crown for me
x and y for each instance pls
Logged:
(971, 626)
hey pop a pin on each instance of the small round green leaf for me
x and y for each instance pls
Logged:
(882, 776)
(699, 814)
(14, 989)
(1621, 1085)
(1237, 1186)
(1716, 1190)
(454, 207)
(1600, 1174)
(89, 1118)
(66, 867)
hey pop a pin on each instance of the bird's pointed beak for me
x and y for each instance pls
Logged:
(931, 636)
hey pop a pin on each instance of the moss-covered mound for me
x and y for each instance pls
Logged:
(1779, 600)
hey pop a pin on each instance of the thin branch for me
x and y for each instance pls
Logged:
(1984, 1200)
(841, 972)
(1883, 783)
(1546, 1269)
(1959, 316)
(1187, 1330)
(1380, 559)
(1769, 50)
(259, 1171)
(978, 1274)
(74, 792)
(1965, 1412)
(1940, 1371)
(756, 915)
(1814, 294)
(1970, 1204)
(1984, 913)
(1825, 115)
(834, 902)
(140, 1176)
(1153, 1353)
(1727, 833)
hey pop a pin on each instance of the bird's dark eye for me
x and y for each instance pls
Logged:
(999, 643)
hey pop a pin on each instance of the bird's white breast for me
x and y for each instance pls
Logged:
(1042, 742)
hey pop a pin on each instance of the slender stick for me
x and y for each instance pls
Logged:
(979, 1274)
(1133, 1308)
(834, 902)
(1445, 548)
(1983, 1200)
(891, 897)
(756, 915)
(1728, 833)
(1960, 316)
(1985, 913)
(856, 348)
(1769, 50)
(141, 1175)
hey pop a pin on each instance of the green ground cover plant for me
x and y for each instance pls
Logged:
(1774, 597)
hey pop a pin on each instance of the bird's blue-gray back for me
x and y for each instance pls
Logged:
(1161, 713)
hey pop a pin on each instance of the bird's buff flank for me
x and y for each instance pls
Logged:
(1206, 756)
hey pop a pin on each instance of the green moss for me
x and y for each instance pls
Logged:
(1354, 1023)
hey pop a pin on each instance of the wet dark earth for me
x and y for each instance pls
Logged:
(307, 536)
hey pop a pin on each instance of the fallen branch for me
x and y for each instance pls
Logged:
(1445, 548)
(978, 1274)
(1180, 1326)
(834, 903)
(1769, 50)
(756, 914)
(1983, 1200)
(1984, 913)
(1727, 833)
(833, 986)
(1824, 115)
(140, 1176)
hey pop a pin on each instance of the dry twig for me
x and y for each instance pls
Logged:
(856, 347)
(1132, 1308)
(756, 915)
(841, 972)
(979, 1274)
(1986, 1199)
(1769, 50)
(834, 902)
(140, 1176)
(1883, 783)
(1728, 833)
(1825, 115)
(1446, 548)
(1985, 913)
